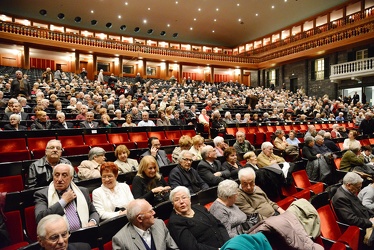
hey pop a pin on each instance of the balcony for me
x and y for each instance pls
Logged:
(352, 70)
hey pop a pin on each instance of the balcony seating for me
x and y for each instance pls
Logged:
(14, 149)
(302, 181)
(98, 140)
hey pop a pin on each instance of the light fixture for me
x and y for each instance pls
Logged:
(43, 12)
(162, 33)
(123, 27)
(78, 19)
(137, 29)
(61, 16)
(108, 25)
(93, 22)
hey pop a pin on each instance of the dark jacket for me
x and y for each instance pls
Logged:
(60, 126)
(206, 171)
(140, 189)
(190, 179)
(331, 145)
(10, 127)
(203, 231)
(41, 126)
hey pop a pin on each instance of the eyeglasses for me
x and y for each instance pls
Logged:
(54, 147)
(54, 238)
(187, 159)
(107, 176)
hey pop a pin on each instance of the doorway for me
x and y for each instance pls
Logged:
(293, 85)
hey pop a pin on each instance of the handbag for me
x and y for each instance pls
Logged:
(252, 220)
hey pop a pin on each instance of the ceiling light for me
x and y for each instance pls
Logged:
(92, 11)
(126, 3)
(93, 22)
(256, 14)
(212, 31)
(239, 19)
(176, 2)
(217, 9)
(238, 4)
(168, 25)
(108, 25)
(119, 16)
(43, 12)
(149, 8)
(78, 19)
(199, 9)
(194, 19)
(137, 29)
(61, 16)
(144, 21)
(175, 34)
(162, 33)
(272, 6)
(191, 28)
(150, 31)
(215, 20)
(123, 27)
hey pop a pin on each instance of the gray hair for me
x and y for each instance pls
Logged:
(52, 141)
(183, 154)
(226, 189)
(355, 146)
(177, 190)
(133, 209)
(94, 152)
(239, 133)
(49, 219)
(321, 132)
(318, 137)
(71, 168)
(218, 139)
(266, 144)
(245, 172)
(205, 150)
(15, 116)
(278, 132)
(327, 135)
(308, 140)
(60, 113)
(352, 178)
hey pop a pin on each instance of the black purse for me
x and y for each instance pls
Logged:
(252, 220)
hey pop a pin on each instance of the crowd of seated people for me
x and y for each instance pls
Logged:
(162, 103)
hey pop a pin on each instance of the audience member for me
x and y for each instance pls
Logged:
(197, 145)
(145, 120)
(89, 169)
(267, 157)
(41, 122)
(65, 198)
(220, 145)
(154, 150)
(61, 123)
(351, 140)
(112, 197)
(89, 122)
(231, 162)
(241, 145)
(128, 122)
(124, 163)
(185, 143)
(329, 143)
(14, 123)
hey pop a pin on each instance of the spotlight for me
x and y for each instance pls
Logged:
(163, 33)
(93, 22)
(150, 31)
(61, 16)
(123, 27)
(175, 34)
(137, 29)
(78, 19)
(108, 25)
(43, 12)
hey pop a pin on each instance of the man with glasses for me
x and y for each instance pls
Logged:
(143, 231)
(184, 175)
(347, 205)
(210, 169)
(65, 198)
(40, 171)
(53, 233)
(154, 146)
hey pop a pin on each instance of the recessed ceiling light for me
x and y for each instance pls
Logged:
(93, 22)
(92, 11)
(61, 16)
(199, 9)
(137, 29)
(78, 19)
(213, 31)
(119, 16)
(150, 31)
(176, 2)
(215, 20)
(144, 21)
(43, 12)
(168, 25)
(217, 9)
(238, 4)
(175, 34)
(123, 27)
(256, 14)
(162, 33)
(191, 28)
(149, 8)
(239, 20)
(194, 19)
(108, 25)
(272, 6)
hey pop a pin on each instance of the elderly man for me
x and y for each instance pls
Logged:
(320, 145)
(61, 123)
(352, 158)
(210, 169)
(220, 145)
(347, 205)
(146, 122)
(65, 198)
(367, 125)
(53, 233)
(40, 171)
(16, 109)
(184, 175)
(143, 231)
(241, 145)
(89, 122)
(89, 169)
(311, 131)
(267, 157)
(251, 199)
(154, 146)
(20, 86)
(330, 143)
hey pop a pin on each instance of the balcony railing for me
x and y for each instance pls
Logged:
(354, 69)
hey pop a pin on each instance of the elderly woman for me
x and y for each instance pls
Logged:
(351, 140)
(14, 123)
(231, 162)
(118, 115)
(281, 144)
(41, 122)
(267, 157)
(197, 145)
(193, 227)
(251, 159)
(89, 169)
(204, 118)
(124, 163)
(162, 119)
(185, 143)
(105, 122)
(112, 197)
(316, 167)
(148, 183)
(128, 122)
(225, 210)
(292, 139)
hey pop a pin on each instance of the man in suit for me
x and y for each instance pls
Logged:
(20, 86)
(89, 122)
(16, 109)
(154, 150)
(143, 231)
(62, 124)
(65, 198)
(347, 205)
(40, 171)
(176, 121)
(210, 169)
(53, 233)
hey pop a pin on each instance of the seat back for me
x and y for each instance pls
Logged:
(30, 223)
(98, 140)
(301, 179)
(12, 183)
(13, 223)
(337, 162)
(71, 140)
(11, 145)
(329, 227)
(173, 135)
(108, 228)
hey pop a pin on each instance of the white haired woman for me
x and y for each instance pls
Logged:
(225, 210)
(14, 123)
(194, 227)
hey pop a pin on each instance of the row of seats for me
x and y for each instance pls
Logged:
(79, 141)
